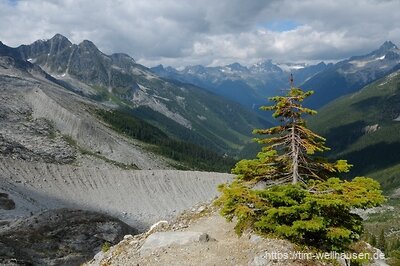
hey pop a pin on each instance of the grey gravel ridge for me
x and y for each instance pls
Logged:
(137, 197)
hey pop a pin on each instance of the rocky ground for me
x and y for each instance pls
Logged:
(198, 237)
(5, 202)
(61, 237)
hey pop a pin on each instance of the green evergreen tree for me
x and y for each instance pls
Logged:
(381, 244)
(294, 143)
(373, 240)
(289, 191)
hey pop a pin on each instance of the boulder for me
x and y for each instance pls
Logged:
(164, 239)
(6, 203)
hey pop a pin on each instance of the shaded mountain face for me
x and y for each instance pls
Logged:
(248, 86)
(364, 127)
(12, 56)
(183, 111)
(351, 75)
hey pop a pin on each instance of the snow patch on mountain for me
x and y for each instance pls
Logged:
(201, 117)
(365, 61)
(181, 101)
(161, 98)
(288, 67)
(371, 128)
(392, 75)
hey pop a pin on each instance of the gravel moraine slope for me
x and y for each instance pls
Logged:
(137, 197)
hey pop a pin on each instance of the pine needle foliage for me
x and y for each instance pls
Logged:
(291, 192)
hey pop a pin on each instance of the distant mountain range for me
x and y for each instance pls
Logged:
(246, 85)
(251, 85)
(353, 74)
(183, 111)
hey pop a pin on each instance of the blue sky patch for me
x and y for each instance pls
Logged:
(280, 26)
(12, 2)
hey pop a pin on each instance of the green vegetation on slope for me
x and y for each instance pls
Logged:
(190, 155)
(216, 123)
(172, 128)
(226, 126)
(361, 128)
(389, 178)
(383, 230)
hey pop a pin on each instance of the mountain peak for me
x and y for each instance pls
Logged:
(265, 66)
(387, 45)
(195, 68)
(159, 67)
(88, 44)
(237, 66)
(59, 37)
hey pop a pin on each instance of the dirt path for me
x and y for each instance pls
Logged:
(224, 248)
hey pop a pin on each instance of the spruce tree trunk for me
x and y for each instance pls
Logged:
(295, 157)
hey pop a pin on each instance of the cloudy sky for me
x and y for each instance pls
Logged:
(208, 32)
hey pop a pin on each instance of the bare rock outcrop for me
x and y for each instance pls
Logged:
(5, 202)
(164, 239)
(59, 237)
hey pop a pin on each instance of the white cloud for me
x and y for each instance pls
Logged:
(180, 32)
